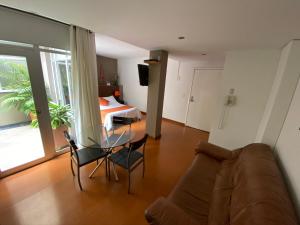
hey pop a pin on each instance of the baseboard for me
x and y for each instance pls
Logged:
(198, 129)
(174, 122)
(166, 119)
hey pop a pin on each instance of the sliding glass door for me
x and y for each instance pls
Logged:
(56, 72)
(26, 136)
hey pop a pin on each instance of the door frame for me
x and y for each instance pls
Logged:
(191, 87)
(32, 55)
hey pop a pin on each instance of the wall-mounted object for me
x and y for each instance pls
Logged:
(143, 74)
(230, 100)
(152, 61)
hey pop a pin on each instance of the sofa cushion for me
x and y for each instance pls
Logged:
(259, 195)
(162, 212)
(214, 151)
(193, 192)
(219, 210)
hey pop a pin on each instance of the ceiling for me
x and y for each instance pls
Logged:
(210, 26)
(111, 47)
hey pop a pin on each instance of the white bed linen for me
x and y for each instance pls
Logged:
(132, 112)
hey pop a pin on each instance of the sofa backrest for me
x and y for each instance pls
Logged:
(259, 195)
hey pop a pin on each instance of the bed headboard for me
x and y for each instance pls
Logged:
(105, 90)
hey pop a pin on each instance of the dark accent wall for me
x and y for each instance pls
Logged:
(107, 69)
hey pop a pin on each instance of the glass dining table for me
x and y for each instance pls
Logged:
(108, 143)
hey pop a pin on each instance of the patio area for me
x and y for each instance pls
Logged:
(20, 138)
(19, 145)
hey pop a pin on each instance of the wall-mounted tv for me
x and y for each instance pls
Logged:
(143, 74)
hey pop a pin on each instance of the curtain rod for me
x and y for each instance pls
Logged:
(34, 14)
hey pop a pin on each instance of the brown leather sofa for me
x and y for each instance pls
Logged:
(224, 187)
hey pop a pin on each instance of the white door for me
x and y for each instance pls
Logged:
(288, 144)
(203, 98)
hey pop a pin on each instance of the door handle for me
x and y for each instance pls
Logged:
(192, 99)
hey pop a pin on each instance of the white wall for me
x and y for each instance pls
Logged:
(280, 125)
(133, 93)
(281, 95)
(287, 148)
(274, 91)
(178, 83)
(251, 74)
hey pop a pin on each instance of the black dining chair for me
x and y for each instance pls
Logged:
(119, 121)
(129, 157)
(84, 156)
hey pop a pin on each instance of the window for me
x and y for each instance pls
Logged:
(57, 70)
(13, 70)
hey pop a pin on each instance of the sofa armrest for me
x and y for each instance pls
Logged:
(164, 212)
(214, 151)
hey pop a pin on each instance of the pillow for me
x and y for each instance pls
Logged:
(103, 102)
(110, 99)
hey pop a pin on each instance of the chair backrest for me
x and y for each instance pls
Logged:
(73, 146)
(137, 144)
(119, 120)
(67, 136)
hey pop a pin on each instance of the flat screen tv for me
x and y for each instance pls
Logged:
(143, 74)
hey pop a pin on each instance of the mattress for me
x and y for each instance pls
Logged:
(116, 109)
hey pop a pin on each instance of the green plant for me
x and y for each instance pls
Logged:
(15, 77)
(12, 74)
(59, 115)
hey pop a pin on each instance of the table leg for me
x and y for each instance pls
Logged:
(94, 170)
(115, 172)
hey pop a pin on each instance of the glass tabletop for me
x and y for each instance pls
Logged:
(114, 140)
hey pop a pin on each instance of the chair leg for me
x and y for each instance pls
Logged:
(143, 168)
(106, 166)
(108, 169)
(129, 183)
(78, 177)
(72, 169)
(115, 172)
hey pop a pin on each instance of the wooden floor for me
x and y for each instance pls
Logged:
(47, 194)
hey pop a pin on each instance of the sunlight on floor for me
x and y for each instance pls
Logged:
(19, 145)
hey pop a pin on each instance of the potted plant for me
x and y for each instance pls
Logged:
(17, 79)
(60, 116)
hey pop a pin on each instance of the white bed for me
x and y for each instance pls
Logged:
(107, 121)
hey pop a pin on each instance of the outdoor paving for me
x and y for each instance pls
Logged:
(19, 145)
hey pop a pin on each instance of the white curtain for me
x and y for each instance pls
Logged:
(84, 86)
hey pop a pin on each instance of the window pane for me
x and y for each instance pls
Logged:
(56, 72)
(20, 139)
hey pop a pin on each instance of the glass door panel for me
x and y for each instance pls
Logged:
(56, 72)
(20, 137)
